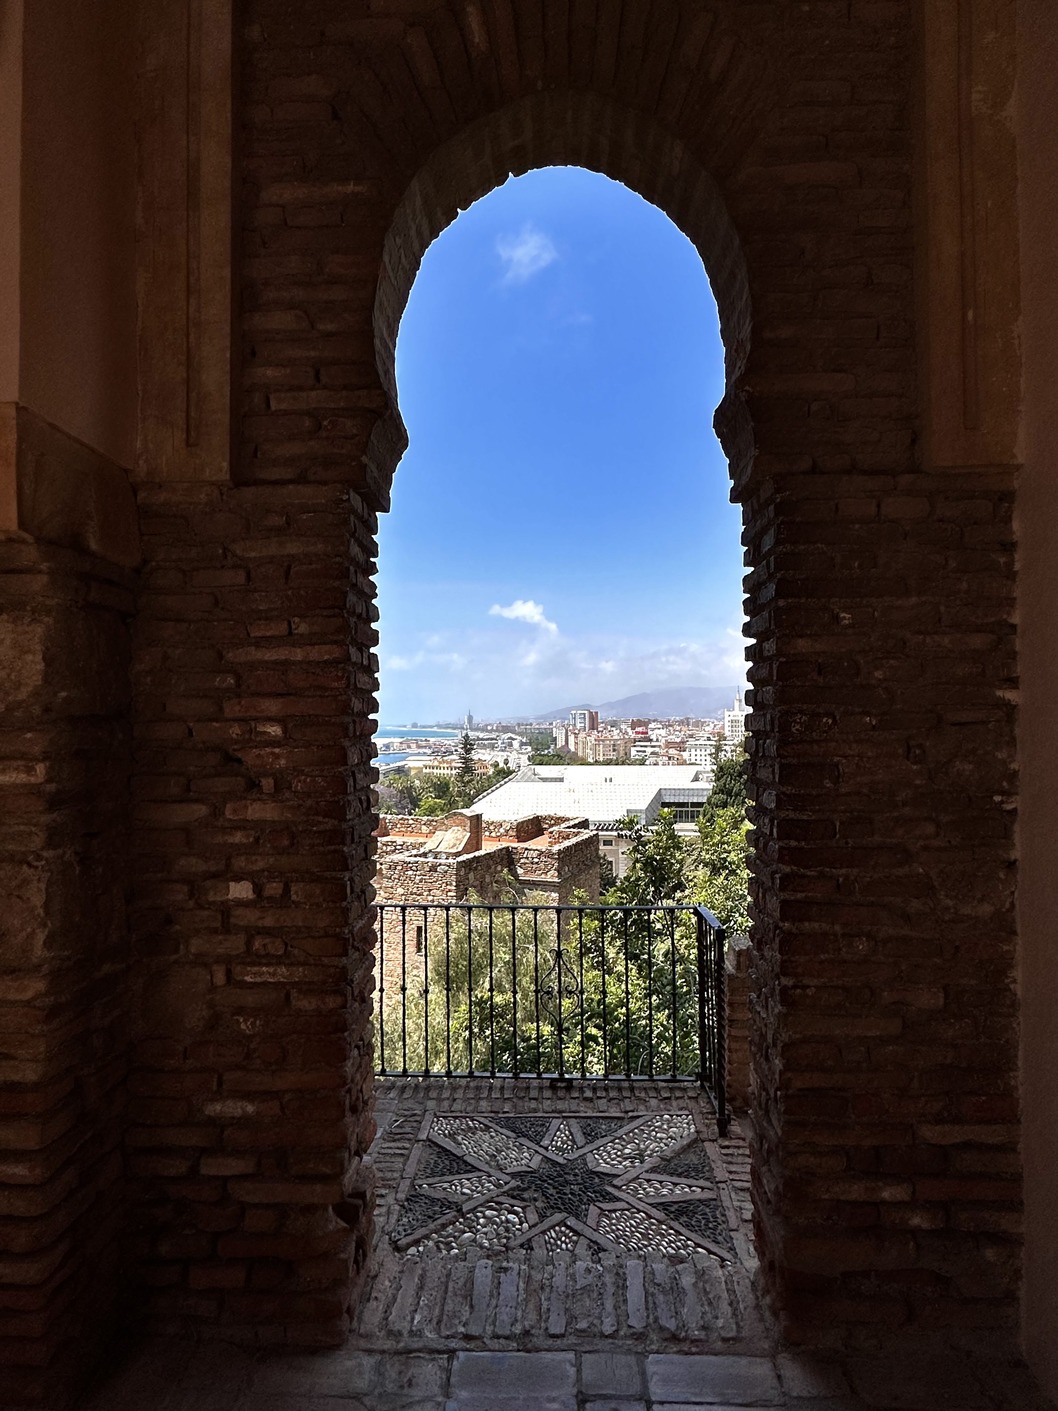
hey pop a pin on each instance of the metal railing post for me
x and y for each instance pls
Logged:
(704, 1075)
(720, 1029)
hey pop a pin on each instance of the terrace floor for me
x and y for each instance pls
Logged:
(574, 1248)
(517, 1214)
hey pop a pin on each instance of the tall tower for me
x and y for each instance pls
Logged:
(735, 722)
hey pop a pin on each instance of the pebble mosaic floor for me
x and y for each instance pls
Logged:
(522, 1215)
(637, 1185)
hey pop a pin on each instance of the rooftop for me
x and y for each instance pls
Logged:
(601, 793)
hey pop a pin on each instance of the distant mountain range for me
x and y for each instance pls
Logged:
(656, 705)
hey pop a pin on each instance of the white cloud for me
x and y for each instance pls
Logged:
(494, 671)
(525, 254)
(524, 610)
(450, 661)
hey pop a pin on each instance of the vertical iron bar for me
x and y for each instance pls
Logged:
(514, 992)
(448, 993)
(650, 992)
(536, 991)
(425, 989)
(580, 948)
(558, 969)
(470, 993)
(628, 1004)
(672, 957)
(492, 1002)
(404, 990)
(602, 971)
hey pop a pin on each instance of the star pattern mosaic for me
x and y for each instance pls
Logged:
(635, 1184)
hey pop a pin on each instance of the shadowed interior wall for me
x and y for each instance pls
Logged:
(1038, 612)
(10, 194)
(69, 543)
(880, 592)
(78, 295)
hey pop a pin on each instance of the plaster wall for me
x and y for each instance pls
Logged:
(77, 325)
(1038, 593)
(10, 169)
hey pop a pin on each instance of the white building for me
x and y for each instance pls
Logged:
(735, 722)
(702, 752)
(605, 795)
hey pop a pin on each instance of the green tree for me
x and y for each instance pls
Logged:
(721, 867)
(441, 795)
(483, 782)
(465, 776)
(612, 991)
(398, 792)
(548, 756)
(657, 865)
(730, 781)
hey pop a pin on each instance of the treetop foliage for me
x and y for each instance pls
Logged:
(730, 782)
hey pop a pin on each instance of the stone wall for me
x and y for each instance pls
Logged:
(571, 865)
(521, 830)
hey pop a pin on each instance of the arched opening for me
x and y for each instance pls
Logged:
(557, 129)
(669, 1208)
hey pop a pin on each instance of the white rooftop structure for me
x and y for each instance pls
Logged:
(602, 793)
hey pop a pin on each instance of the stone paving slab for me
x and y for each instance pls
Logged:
(614, 1374)
(615, 1404)
(739, 1381)
(488, 1402)
(169, 1376)
(505, 1374)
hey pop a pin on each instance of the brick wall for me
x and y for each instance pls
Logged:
(250, 1104)
(64, 767)
(738, 1029)
(880, 601)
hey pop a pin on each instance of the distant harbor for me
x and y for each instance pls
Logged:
(391, 734)
(393, 742)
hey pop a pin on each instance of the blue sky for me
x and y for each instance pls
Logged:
(561, 529)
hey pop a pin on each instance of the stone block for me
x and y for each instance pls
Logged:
(528, 1377)
(692, 1378)
(614, 1374)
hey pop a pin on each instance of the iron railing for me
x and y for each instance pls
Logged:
(559, 992)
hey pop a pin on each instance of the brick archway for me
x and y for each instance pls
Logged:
(566, 129)
(881, 595)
